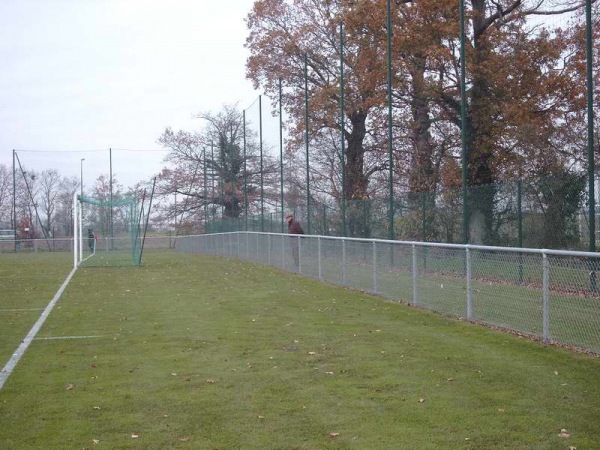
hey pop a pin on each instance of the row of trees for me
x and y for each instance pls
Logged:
(525, 92)
(44, 203)
(525, 115)
(46, 192)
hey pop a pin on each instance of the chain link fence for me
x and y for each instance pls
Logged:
(547, 294)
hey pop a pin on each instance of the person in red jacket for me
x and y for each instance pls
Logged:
(294, 227)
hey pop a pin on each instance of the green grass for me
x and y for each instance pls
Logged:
(209, 353)
(113, 258)
(28, 281)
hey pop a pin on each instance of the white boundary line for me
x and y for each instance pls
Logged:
(21, 309)
(12, 362)
(52, 338)
(88, 257)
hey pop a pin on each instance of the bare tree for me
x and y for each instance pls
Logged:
(5, 196)
(64, 214)
(49, 190)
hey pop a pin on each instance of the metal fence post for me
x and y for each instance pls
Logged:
(469, 292)
(320, 265)
(283, 251)
(375, 267)
(343, 262)
(269, 247)
(545, 297)
(238, 244)
(415, 272)
(299, 254)
(257, 247)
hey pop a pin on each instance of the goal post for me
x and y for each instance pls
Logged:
(106, 233)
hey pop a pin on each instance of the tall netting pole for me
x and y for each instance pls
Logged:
(212, 181)
(14, 200)
(245, 175)
(590, 142)
(80, 228)
(205, 191)
(342, 132)
(590, 125)
(306, 142)
(463, 125)
(262, 190)
(111, 228)
(390, 131)
(281, 154)
(75, 231)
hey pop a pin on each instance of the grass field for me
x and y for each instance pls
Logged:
(195, 352)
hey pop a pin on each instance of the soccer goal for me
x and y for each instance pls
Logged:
(107, 233)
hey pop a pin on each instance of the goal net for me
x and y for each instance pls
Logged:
(108, 232)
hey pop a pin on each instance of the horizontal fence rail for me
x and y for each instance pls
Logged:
(552, 295)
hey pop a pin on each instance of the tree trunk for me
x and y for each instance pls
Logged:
(480, 145)
(422, 180)
(356, 181)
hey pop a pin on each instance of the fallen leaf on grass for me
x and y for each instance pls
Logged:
(421, 400)
(564, 434)
(500, 410)
(96, 407)
(134, 436)
(312, 353)
(210, 381)
(95, 441)
(184, 438)
(328, 373)
(70, 386)
(334, 434)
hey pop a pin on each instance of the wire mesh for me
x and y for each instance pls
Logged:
(554, 296)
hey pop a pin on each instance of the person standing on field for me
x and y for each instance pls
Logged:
(294, 227)
(91, 239)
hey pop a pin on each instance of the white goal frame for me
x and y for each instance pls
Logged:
(78, 233)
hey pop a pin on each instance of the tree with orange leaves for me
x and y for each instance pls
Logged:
(283, 35)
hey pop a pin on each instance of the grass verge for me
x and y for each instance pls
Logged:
(209, 353)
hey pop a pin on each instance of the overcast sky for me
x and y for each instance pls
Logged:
(86, 75)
